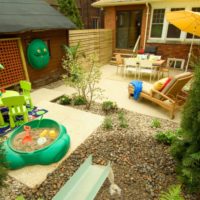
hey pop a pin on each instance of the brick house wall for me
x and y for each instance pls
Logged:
(169, 49)
(53, 71)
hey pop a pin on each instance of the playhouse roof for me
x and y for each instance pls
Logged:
(23, 15)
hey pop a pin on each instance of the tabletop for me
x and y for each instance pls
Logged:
(155, 62)
(8, 93)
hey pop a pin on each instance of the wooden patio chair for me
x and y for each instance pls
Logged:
(119, 62)
(170, 97)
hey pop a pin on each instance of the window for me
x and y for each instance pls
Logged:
(176, 63)
(162, 30)
(157, 23)
(174, 32)
(189, 36)
(95, 22)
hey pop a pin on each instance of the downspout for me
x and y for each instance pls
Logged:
(146, 25)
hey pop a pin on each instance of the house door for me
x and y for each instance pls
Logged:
(128, 28)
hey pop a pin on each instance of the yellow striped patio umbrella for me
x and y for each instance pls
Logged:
(187, 21)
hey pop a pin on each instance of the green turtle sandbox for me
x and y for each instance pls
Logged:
(52, 153)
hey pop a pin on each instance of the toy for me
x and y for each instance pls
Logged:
(27, 137)
(44, 156)
(52, 134)
(43, 133)
(41, 141)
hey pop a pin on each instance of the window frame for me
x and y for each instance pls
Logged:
(152, 22)
(163, 38)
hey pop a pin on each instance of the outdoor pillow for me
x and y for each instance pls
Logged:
(158, 85)
(140, 51)
(166, 83)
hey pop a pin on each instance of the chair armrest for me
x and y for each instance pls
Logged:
(162, 95)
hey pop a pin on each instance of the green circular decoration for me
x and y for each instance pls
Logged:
(38, 54)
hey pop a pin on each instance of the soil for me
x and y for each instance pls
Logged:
(142, 167)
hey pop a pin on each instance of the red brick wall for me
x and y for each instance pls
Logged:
(175, 50)
(54, 69)
(110, 22)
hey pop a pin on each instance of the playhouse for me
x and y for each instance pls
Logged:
(31, 37)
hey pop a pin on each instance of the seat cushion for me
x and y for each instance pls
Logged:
(147, 87)
(174, 79)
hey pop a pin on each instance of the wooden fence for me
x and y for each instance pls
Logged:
(98, 41)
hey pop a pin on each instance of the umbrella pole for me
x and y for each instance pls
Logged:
(189, 54)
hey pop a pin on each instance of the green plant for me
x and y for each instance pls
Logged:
(65, 100)
(123, 121)
(20, 198)
(109, 106)
(186, 150)
(108, 124)
(69, 9)
(79, 100)
(72, 51)
(167, 137)
(3, 169)
(155, 123)
(84, 75)
(173, 193)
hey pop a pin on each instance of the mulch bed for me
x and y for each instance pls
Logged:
(142, 166)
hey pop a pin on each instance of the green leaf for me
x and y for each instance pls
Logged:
(173, 193)
(20, 198)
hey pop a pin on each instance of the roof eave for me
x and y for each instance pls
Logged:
(100, 4)
(109, 4)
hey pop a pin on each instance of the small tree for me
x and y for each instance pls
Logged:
(3, 170)
(84, 75)
(69, 9)
(187, 149)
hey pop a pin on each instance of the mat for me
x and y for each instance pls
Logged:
(33, 113)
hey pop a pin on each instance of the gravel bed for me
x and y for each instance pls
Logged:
(142, 167)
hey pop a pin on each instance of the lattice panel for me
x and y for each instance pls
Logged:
(10, 58)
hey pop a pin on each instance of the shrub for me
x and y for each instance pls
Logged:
(167, 137)
(79, 100)
(83, 74)
(173, 193)
(3, 169)
(109, 106)
(108, 124)
(122, 120)
(186, 150)
(155, 123)
(65, 100)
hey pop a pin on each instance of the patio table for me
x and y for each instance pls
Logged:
(156, 64)
(7, 93)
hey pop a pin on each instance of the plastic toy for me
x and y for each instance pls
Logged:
(52, 134)
(27, 137)
(41, 141)
(44, 156)
(44, 133)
